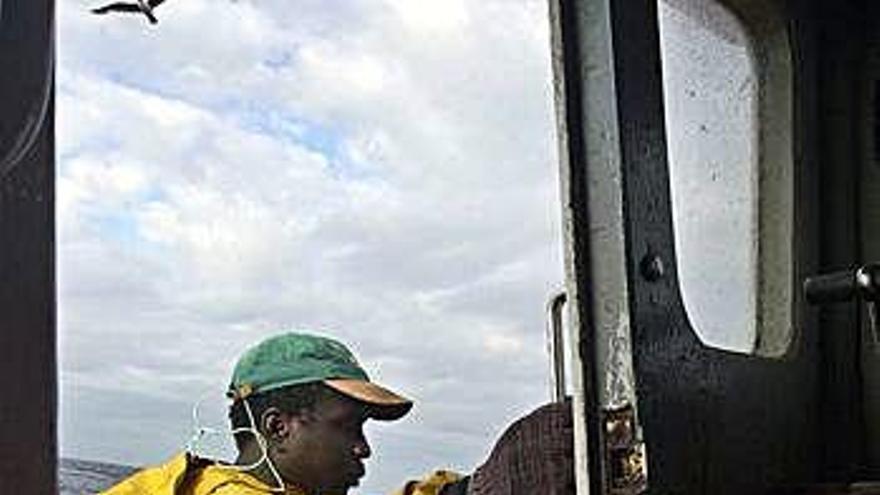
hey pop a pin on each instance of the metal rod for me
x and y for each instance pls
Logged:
(557, 346)
(861, 284)
(844, 285)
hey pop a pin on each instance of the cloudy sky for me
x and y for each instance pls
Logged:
(382, 171)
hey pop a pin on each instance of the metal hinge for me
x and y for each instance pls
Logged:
(626, 465)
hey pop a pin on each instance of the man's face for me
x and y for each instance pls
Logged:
(325, 449)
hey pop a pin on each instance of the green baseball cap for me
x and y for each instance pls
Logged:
(299, 358)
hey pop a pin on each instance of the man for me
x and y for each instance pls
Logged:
(299, 405)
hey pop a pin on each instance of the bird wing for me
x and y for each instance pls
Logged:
(117, 7)
(155, 3)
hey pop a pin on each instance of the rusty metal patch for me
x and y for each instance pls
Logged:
(626, 464)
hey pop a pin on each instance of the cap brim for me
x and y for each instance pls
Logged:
(384, 404)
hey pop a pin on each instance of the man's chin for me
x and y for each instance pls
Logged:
(351, 481)
(355, 479)
(343, 490)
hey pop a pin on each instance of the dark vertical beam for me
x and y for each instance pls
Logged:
(840, 68)
(28, 423)
(869, 229)
(27, 324)
(676, 418)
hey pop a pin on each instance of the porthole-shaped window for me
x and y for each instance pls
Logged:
(727, 98)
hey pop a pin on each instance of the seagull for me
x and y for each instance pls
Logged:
(143, 6)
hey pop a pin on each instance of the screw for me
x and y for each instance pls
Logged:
(652, 267)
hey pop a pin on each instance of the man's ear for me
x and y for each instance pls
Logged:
(276, 425)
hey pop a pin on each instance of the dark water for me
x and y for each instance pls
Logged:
(77, 477)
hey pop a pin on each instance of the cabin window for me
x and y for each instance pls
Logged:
(726, 97)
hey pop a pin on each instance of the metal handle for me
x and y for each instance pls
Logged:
(862, 283)
(829, 288)
(844, 285)
(557, 346)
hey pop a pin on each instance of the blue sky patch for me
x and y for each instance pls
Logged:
(118, 226)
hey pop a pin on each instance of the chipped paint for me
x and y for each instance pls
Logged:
(619, 376)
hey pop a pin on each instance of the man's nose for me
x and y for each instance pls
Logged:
(362, 449)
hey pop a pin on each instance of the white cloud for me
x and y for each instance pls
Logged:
(503, 344)
(429, 15)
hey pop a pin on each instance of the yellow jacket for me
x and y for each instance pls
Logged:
(186, 475)
(431, 485)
